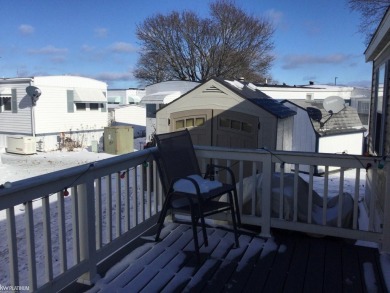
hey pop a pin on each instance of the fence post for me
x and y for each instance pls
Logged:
(386, 214)
(266, 197)
(87, 242)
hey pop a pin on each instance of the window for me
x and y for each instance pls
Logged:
(190, 122)
(151, 110)
(235, 125)
(93, 106)
(6, 104)
(380, 102)
(81, 106)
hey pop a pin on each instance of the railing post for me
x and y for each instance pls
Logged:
(386, 216)
(266, 197)
(87, 242)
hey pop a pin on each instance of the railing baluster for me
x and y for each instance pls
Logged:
(62, 232)
(118, 205)
(135, 197)
(356, 199)
(240, 184)
(253, 191)
(371, 219)
(127, 199)
(296, 177)
(341, 195)
(325, 197)
(266, 197)
(281, 193)
(148, 196)
(141, 194)
(47, 239)
(12, 247)
(32, 271)
(75, 227)
(98, 212)
(109, 208)
(310, 199)
(156, 193)
(86, 211)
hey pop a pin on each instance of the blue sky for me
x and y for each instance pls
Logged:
(314, 40)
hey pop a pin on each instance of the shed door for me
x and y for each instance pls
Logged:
(198, 122)
(217, 127)
(234, 129)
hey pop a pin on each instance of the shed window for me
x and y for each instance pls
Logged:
(224, 122)
(190, 122)
(179, 124)
(236, 125)
(199, 121)
(247, 127)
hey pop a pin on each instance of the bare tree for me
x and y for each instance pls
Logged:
(372, 12)
(229, 44)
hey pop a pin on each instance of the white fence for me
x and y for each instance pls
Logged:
(72, 220)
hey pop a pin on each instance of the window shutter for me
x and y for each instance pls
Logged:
(14, 101)
(70, 100)
(104, 105)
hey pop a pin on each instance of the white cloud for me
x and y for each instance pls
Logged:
(48, 50)
(276, 17)
(101, 32)
(115, 76)
(26, 29)
(295, 61)
(122, 47)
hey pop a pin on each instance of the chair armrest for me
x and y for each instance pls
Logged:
(210, 172)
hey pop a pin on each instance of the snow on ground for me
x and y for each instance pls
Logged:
(17, 167)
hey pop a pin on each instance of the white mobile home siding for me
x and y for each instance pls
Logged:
(19, 122)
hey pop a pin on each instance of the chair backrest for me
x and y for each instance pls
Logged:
(175, 157)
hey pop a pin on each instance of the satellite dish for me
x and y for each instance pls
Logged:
(333, 104)
(314, 113)
(34, 93)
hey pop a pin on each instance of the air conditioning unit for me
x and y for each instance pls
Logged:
(24, 145)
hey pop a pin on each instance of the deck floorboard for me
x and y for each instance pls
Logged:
(286, 262)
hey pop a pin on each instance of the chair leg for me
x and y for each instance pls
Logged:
(233, 213)
(203, 223)
(194, 221)
(237, 208)
(162, 216)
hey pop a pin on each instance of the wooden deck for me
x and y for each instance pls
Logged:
(287, 262)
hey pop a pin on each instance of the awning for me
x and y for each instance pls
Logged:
(134, 99)
(161, 97)
(5, 92)
(89, 96)
(114, 99)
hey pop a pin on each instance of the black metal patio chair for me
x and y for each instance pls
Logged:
(186, 190)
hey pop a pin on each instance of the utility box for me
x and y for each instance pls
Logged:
(24, 145)
(118, 140)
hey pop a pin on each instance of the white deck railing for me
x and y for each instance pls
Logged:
(61, 225)
(112, 201)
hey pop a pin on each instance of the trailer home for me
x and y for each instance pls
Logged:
(53, 111)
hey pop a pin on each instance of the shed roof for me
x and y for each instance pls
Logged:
(257, 97)
(345, 121)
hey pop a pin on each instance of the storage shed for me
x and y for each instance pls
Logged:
(316, 130)
(229, 114)
(70, 111)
